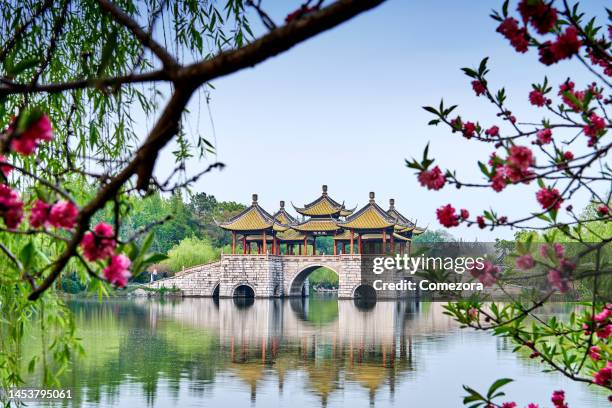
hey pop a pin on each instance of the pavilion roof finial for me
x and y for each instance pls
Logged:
(391, 203)
(324, 188)
(254, 198)
(282, 204)
(371, 197)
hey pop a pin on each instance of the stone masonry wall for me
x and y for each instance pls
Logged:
(197, 281)
(267, 275)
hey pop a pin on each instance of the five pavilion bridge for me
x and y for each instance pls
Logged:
(273, 255)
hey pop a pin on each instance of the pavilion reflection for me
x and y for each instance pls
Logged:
(332, 342)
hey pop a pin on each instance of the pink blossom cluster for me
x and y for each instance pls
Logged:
(600, 323)
(62, 214)
(27, 141)
(518, 36)
(558, 399)
(487, 274)
(433, 179)
(537, 98)
(449, 218)
(604, 376)
(99, 244)
(542, 16)
(11, 207)
(5, 169)
(565, 46)
(549, 198)
(516, 168)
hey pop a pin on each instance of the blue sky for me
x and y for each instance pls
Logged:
(344, 109)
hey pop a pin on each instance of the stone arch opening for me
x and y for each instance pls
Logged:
(298, 287)
(215, 293)
(365, 292)
(244, 291)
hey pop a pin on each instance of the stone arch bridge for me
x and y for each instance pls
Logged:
(267, 276)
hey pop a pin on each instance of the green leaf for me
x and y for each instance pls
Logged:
(497, 385)
(23, 65)
(431, 109)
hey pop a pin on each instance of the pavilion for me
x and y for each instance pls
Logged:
(370, 230)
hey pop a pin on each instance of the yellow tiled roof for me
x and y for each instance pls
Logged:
(346, 212)
(249, 220)
(291, 235)
(344, 235)
(322, 206)
(369, 217)
(254, 218)
(283, 216)
(317, 224)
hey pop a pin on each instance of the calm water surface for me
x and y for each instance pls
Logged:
(299, 353)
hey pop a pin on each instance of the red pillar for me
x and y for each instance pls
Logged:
(304, 249)
(233, 242)
(314, 245)
(352, 236)
(244, 244)
(392, 243)
(265, 245)
(273, 245)
(359, 244)
(384, 242)
(335, 243)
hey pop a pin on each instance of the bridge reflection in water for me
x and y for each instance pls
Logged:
(198, 352)
(331, 341)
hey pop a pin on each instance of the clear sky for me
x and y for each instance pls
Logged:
(344, 109)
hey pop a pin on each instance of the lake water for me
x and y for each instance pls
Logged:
(313, 352)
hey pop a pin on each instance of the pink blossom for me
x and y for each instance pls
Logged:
(594, 353)
(558, 399)
(27, 141)
(549, 199)
(478, 87)
(11, 207)
(465, 214)
(39, 214)
(117, 272)
(493, 131)
(544, 136)
(604, 376)
(603, 210)
(469, 129)
(487, 274)
(432, 179)
(604, 332)
(99, 243)
(559, 250)
(537, 98)
(481, 222)
(525, 262)
(63, 214)
(5, 168)
(521, 157)
(518, 37)
(558, 281)
(498, 181)
(447, 217)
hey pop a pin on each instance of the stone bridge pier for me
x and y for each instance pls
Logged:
(267, 276)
